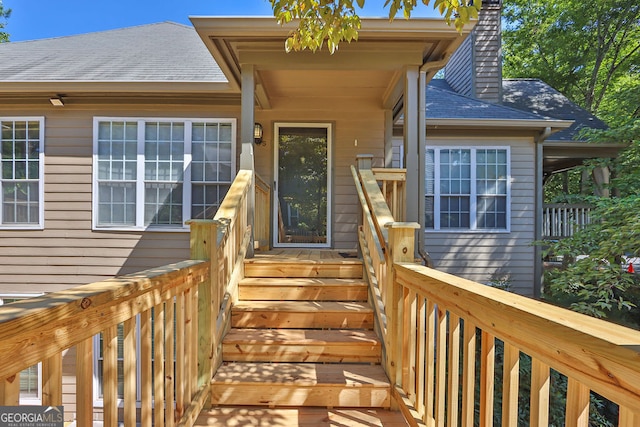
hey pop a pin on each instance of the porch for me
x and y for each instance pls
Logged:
(450, 351)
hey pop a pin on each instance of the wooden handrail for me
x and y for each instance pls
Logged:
(594, 354)
(195, 294)
(448, 340)
(393, 189)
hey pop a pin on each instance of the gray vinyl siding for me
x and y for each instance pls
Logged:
(487, 55)
(477, 255)
(459, 70)
(475, 67)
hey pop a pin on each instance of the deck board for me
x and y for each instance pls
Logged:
(299, 417)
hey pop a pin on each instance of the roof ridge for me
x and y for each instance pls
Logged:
(111, 30)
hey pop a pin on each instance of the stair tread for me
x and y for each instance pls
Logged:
(298, 417)
(303, 306)
(301, 374)
(301, 281)
(301, 336)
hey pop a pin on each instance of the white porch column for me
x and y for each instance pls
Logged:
(246, 137)
(414, 153)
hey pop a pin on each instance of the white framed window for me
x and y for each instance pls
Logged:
(22, 172)
(468, 188)
(30, 378)
(157, 173)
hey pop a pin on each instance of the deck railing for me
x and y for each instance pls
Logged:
(562, 220)
(177, 362)
(454, 348)
(393, 183)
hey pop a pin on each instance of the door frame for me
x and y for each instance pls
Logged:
(276, 202)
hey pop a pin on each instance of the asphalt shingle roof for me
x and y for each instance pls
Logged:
(445, 103)
(162, 52)
(535, 96)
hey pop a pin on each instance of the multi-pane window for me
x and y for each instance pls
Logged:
(21, 179)
(159, 172)
(467, 188)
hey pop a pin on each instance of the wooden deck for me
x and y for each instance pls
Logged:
(301, 255)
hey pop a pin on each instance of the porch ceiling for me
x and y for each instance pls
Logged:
(369, 69)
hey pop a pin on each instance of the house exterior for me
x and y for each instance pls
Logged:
(112, 140)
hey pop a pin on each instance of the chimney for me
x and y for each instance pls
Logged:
(475, 68)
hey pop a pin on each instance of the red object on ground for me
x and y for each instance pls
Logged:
(630, 269)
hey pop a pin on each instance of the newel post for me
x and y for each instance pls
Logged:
(400, 248)
(203, 245)
(364, 161)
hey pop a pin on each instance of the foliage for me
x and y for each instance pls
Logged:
(4, 15)
(585, 52)
(335, 21)
(594, 280)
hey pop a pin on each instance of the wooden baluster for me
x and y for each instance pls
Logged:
(130, 374)
(146, 371)
(158, 366)
(468, 373)
(409, 343)
(578, 397)
(188, 347)
(487, 379)
(169, 365)
(10, 391)
(52, 380)
(421, 363)
(110, 375)
(454, 369)
(84, 382)
(430, 360)
(510, 378)
(180, 356)
(540, 380)
(628, 418)
(441, 366)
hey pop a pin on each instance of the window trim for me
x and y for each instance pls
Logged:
(41, 166)
(473, 193)
(140, 160)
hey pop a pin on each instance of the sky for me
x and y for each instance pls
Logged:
(37, 19)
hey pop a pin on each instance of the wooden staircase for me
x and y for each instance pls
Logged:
(302, 336)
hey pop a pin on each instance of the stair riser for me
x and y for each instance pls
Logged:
(301, 353)
(304, 270)
(320, 320)
(303, 293)
(296, 395)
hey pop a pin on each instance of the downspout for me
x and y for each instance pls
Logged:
(539, 202)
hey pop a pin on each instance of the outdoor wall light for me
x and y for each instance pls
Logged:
(257, 133)
(56, 101)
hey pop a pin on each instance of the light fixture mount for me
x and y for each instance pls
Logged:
(57, 101)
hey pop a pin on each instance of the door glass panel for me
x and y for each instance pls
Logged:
(302, 186)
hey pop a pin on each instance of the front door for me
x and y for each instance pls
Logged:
(302, 185)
